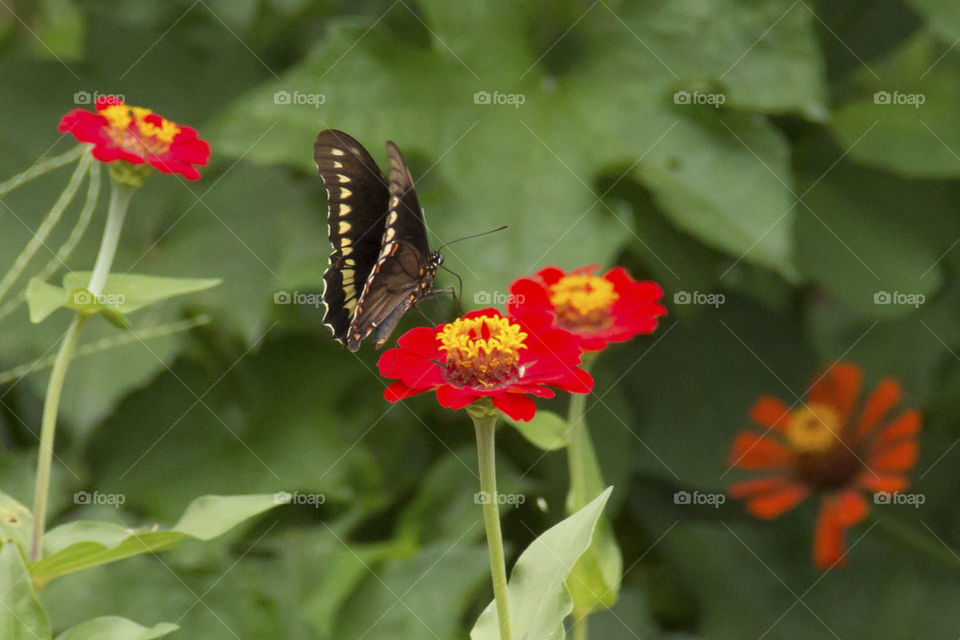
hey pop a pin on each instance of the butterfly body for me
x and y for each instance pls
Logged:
(380, 265)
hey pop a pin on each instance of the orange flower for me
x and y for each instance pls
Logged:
(138, 136)
(819, 448)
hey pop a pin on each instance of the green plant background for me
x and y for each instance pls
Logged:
(798, 200)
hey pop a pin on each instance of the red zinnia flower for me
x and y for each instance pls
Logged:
(819, 448)
(598, 310)
(138, 136)
(486, 354)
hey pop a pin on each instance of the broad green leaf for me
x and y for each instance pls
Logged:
(905, 120)
(16, 522)
(43, 299)
(21, 615)
(539, 600)
(850, 237)
(115, 628)
(83, 544)
(127, 292)
(621, 100)
(943, 17)
(407, 606)
(546, 430)
(211, 516)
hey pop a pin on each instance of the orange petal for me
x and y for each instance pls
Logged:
(905, 426)
(769, 411)
(886, 395)
(754, 451)
(777, 503)
(901, 457)
(838, 388)
(878, 483)
(852, 507)
(748, 488)
(829, 537)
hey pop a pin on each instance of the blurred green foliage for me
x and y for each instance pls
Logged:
(798, 199)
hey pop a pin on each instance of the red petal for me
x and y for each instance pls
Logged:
(453, 398)
(769, 411)
(773, 505)
(526, 293)
(550, 275)
(398, 391)
(901, 457)
(838, 388)
(753, 451)
(886, 395)
(515, 405)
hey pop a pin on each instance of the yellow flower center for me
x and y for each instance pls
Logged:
(815, 428)
(139, 130)
(483, 351)
(582, 302)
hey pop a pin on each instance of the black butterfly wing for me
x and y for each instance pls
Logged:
(397, 283)
(357, 203)
(402, 273)
(405, 216)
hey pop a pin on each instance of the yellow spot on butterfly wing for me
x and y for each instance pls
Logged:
(344, 227)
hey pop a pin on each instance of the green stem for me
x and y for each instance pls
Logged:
(585, 479)
(915, 539)
(63, 253)
(48, 428)
(486, 424)
(43, 231)
(119, 201)
(41, 168)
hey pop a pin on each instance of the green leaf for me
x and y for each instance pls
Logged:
(211, 516)
(43, 299)
(16, 522)
(905, 120)
(546, 430)
(115, 628)
(539, 600)
(21, 615)
(620, 101)
(83, 544)
(127, 292)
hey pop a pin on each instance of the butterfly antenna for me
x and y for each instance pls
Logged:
(476, 235)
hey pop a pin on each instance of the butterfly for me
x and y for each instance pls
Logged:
(381, 264)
